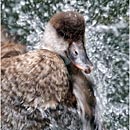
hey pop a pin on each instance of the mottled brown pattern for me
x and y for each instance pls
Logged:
(35, 80)
(38, 76)
(9, 49)
(10, 45)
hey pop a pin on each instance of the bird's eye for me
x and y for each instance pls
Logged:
(76, 53)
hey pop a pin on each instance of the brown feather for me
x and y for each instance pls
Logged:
(38, 77)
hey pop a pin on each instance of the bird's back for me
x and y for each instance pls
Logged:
(36, 79)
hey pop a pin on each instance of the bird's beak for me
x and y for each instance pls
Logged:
(78, 56)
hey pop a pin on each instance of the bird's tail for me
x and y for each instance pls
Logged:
(10, 46)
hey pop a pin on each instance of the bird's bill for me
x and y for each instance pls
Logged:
(78, 56)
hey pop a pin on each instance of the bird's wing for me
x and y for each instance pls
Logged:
(37, 77)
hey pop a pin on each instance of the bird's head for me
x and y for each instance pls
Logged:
(64, 34)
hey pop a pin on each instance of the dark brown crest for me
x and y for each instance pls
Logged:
(70, 25)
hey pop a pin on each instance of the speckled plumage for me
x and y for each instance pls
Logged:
(29, 76)
(10, 46)
(37, 79)
(9, 49)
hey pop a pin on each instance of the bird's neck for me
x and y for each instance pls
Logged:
(51, 41)
(73, 69)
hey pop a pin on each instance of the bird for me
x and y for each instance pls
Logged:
(39, 79)
(83, 90)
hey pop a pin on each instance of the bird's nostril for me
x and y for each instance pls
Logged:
(89, 69)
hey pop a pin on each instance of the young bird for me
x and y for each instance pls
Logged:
(39, 79)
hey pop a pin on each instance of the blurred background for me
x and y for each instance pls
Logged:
(107, 44)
